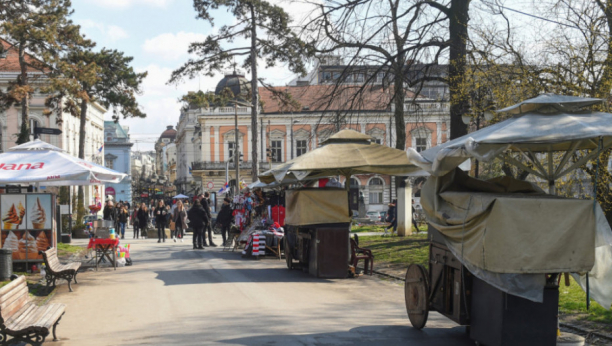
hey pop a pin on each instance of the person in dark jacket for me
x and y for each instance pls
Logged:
(160, 221)
(109, 211)
(135, 221)
(197, 220)
(205, 202)
(143, 219)
(391, 216)
(224, 218)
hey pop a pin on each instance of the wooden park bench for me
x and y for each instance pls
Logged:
(358, 253)
(22, 319)
(55, 270)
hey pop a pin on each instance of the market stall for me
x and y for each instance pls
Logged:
(318, 220)
(28, 220)
(498, 247)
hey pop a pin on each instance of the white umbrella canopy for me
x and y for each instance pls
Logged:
(38, 162)
(543, 129)
(180, 196)
(346, 153)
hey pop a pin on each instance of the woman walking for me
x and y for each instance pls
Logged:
(143, 220)
(122, 219)
(160, 221)
(180, 221)
(135, 221)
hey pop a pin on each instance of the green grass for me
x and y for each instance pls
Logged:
(572, 300)
(67, 249)
(400, 251)
(378, 228)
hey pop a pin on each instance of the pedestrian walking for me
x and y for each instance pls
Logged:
(392, 216)
(197, 220)
(122, 219)
(224, 218)
(414, 222)
(136, 222)
(180, 221)
(143, 220)
(160, 221)
(205, 201)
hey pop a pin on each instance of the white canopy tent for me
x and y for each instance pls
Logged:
(41, 163)
(543, 125)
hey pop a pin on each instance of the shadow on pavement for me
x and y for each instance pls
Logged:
(214, 276)
(366, 336)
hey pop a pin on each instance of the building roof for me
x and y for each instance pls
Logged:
(169, 133)
(117, 130)
(236, 82)
(327, 97)
(10, 63)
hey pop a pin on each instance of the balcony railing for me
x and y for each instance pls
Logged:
(427, 107)
(219, 166)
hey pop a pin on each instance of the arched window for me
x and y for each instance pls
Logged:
(375, 190)
(354, 183)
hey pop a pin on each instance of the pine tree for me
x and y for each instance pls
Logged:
(267, 27)
(105, 77)
(39, 30)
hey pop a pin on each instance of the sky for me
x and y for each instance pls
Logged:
(157, 33)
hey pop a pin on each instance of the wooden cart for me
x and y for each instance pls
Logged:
(317, 231)
(494, 317)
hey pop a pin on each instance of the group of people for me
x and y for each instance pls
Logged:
(177, 217)
(119, 214)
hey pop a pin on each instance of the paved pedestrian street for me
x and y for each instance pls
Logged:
(175, 295)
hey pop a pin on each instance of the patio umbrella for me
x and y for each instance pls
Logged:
(543, 125)
(41, 163)
(346, 153)
(181, 196)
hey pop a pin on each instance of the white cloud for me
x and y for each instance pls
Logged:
(116, 33)
(121, 4)
(111, 32)
(171, 47)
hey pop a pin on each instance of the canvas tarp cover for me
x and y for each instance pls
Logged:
(510, 226)
(316, 206)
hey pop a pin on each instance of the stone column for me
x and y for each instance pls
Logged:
(404, 210)
(206, 139)
(438, 132)
(218, 143)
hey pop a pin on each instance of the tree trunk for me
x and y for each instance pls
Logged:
(255, 96)
(81, 196)
(24, 133)
(458, 29)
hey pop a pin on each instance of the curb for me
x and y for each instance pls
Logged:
(580, 330)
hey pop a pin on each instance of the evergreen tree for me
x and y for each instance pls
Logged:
(40, 29)
(267, 28)
(105, 77)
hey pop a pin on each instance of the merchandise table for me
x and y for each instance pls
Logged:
(105, 246)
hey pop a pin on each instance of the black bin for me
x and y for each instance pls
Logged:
(6, 264)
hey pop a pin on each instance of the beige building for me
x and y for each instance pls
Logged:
(285, 132)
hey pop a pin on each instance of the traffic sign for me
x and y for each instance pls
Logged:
(47, 131)
(210, 185)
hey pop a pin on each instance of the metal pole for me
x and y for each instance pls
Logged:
(292, 135)
(477, 128)
(237, 152)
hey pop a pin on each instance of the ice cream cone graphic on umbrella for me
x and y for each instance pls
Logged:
(38, 215)
(11, 219)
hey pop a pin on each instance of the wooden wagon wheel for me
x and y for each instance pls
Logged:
(288, 256)
(416, 293)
